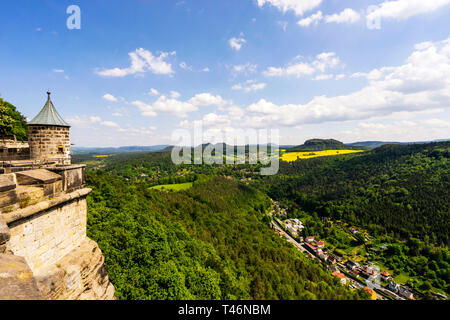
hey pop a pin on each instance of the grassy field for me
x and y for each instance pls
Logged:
(173, 187)
(402, 278)
(292, 156)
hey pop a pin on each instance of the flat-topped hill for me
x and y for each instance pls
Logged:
(323, 144)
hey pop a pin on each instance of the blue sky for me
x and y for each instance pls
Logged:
(310, 68)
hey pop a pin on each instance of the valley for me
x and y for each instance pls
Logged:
(386, 234)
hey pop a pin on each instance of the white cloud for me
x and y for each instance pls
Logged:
(88, 122)
(249, 85)
(58, 70)
(153, 92)
(237, 43)
(398, 130)
(146, 109)
(322, 62)
(177, 107)
(142, 61)
(298, 6)
(403, 9)
(312, 19)
(346, 16)
(174, 94)
(421, 83)
(173, 106)
(247, 68)
(323, 77)
(298, 70)
(121, 112)
(207, 99)
(110, 98)
(205, 69)
(326, 60)
(109, 124)
(138, 132)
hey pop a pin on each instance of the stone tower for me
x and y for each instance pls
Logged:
(48, 136)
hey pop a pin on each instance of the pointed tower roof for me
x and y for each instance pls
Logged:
(49, 116)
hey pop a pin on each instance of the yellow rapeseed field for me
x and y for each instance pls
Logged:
(292, 156)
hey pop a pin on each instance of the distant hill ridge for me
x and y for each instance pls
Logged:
(323, 144)
(309, 145)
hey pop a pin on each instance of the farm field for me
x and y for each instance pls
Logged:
(292, 156)
(173, 187)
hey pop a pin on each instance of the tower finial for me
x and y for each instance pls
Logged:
(48, 93)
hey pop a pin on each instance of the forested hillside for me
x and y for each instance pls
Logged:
(210, 242)
(399, 189)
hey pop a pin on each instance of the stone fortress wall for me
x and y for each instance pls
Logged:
(44, 251)
(46, 237)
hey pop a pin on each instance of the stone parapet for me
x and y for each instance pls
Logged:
(45, 205)
(43, 243)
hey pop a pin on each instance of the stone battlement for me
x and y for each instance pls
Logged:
(43, 221)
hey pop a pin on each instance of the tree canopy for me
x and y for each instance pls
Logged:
(12, 122)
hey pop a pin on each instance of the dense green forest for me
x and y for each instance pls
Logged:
(403, 190)
(12, 122)
(210, 242)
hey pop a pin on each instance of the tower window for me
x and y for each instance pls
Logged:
(61, 150)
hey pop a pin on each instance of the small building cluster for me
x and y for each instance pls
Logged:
(294, 227)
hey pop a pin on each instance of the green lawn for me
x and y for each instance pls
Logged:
(402, 278)
(173, 187)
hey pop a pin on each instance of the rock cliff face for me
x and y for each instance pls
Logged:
(80, 275)
(16, 279)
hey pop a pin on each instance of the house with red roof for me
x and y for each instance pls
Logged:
(385, 276)
(341, 276)
(373, 294)
(310, 247)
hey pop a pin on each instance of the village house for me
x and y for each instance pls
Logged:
(394, 287)
(341, 276)
(373, 294)
(294, 226)
(352, 265)
(385, 276)
(310, 247)
(333, 268)
(405, 293)
(331, 259)
(369, 272)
